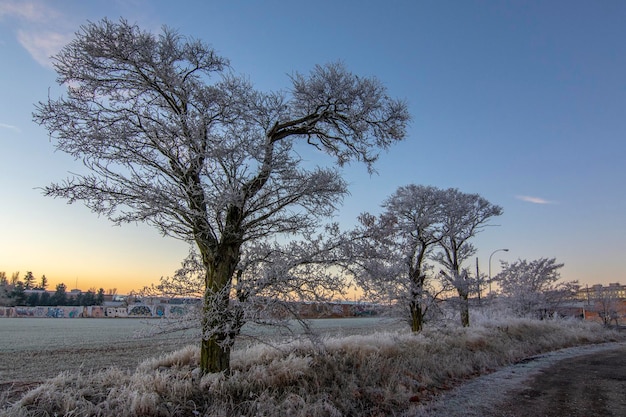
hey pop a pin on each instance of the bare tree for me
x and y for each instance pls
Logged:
(464, 216)
(531, 287)
(173, 139)
(607, 304)
(394, 248)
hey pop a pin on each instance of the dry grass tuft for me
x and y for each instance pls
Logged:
(383, 373)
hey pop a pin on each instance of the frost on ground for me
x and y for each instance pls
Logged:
(480, 396)
(378, 373)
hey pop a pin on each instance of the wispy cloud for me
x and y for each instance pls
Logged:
(534, 200)
(31, 11)
(41, 29)
(42, 45)
(10, 127)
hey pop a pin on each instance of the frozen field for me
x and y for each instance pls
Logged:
(35, 334)
(33, 349)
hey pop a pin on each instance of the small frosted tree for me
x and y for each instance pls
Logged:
(531, 287)
(393, 249)
(172, 138)
(464, 216)
(607, 304)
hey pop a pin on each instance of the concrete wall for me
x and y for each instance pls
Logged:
(137, 310)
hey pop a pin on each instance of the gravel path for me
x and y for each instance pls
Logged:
(487, 395)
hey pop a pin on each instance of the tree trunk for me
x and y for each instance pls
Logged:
(464, 307)
(417, 317)
(214, 356)
(219, 325)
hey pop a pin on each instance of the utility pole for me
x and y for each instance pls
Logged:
(478, 281)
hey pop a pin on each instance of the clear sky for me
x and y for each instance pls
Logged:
(523, 102)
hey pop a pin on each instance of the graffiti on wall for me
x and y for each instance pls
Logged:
(62, 312)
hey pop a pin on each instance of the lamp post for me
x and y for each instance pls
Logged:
(497, 250)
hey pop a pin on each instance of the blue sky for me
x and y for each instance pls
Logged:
(523, 102)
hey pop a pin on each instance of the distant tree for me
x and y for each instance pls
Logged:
(75, 299)
(59, 297)
(173, 139)
(45, 299)
(395, 246)
(100, 297)
(43, 283)
(89, 298)
(607, 304)
(18, 294)
(531, 288)
(29, 280)
(15, 277)
(5, 290)
(33, 299)
(464, 216)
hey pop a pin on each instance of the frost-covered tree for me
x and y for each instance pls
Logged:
(607, 304)
(172, 138)
(270, 281)
(393, 249)
(464, 216)
(531, 288)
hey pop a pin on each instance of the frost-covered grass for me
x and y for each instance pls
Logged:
(383, 373)
(37, 334)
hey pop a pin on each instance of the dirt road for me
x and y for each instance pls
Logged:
(585, 386)
(578, 382)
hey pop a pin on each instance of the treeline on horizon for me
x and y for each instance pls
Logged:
(32, 292)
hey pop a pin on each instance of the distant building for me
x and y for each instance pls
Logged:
(605, 303)
(614, 290)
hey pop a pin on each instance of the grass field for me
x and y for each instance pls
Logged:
(34, 334)
(33, 349)
(358, 367)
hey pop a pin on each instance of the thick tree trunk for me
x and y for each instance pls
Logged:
(219, 325)
(214, 357)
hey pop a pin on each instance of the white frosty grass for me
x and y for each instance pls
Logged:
(384, 373)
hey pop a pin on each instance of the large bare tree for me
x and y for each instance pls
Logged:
(170, 137)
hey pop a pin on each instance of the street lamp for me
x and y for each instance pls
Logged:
(497, 250)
